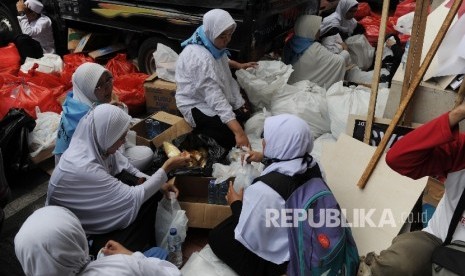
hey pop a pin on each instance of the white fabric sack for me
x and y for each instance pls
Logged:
(206, 263)
(165, 62)
(305, 100)
(255, 124)
(169, 215)
(261, 83)
(44, 133)
(343, 101)
(360, 50)
(405, 23)
(49, 63)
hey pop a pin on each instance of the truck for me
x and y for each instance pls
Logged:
(261, 24)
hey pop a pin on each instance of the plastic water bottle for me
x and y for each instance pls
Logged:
(153, 128)
(175, 248)
(212, 192)
(405, 55)
(223, 188)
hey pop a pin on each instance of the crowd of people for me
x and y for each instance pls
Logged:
(90, 209)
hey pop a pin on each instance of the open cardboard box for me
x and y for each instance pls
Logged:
(193, 193)
(176, 126)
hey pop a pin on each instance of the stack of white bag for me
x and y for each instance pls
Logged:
(305, 100)
(343, 101)
(261, 83)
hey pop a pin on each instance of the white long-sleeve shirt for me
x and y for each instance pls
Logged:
(40, 30)
(207, 84)
(100, 201)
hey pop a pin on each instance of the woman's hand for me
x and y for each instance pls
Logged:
(113, 247)
(252, 156)
(169, 188)
(246, 65)
(232, 196)
(242, 140)
(177, 162)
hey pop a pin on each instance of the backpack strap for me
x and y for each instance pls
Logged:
(455, 218)
(285, 185)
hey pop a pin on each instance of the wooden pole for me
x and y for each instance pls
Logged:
(403, 105)
(414, 53)
(376, 73)
(460, 95)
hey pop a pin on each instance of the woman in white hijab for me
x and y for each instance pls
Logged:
(243, 241)
(342, 21)
(84, 182)
(92, 85)
(52, 242)
(310, 60)
(207, 95)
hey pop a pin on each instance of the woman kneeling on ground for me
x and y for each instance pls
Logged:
(84, 182)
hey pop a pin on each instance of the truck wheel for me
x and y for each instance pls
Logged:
(146, 50)
(8, 21)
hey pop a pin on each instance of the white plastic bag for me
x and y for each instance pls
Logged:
(360, 50)
(44, 133)
(165, 62)
(245, 176)
(169, 215)
(262, 82)
(49, 63)
(206, 263)
(405, 23)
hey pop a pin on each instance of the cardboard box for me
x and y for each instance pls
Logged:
(107, 50)
(433, 192)
(159, 95)
(94, 41)
(193, 193)
(177, 126)
(74, 37)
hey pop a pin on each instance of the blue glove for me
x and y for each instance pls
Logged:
(156, 252)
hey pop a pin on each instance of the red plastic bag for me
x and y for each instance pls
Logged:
(16, 92)
(71, 62)
(10, 60)
(51, 81)
(130, 90)
(405, 7)
(362, 11)
(119, 65)
(371, 24)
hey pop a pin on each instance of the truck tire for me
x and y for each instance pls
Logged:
(9, 21)
(147, 48)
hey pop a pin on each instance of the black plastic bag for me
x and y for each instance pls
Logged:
(14, 133)
(189, 142)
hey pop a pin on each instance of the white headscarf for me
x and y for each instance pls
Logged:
(34, 5)
(85, 80)
(338, 18)
(52, 242)
(307, 26)
(96, 132)
(217, 21)
(290, 146)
